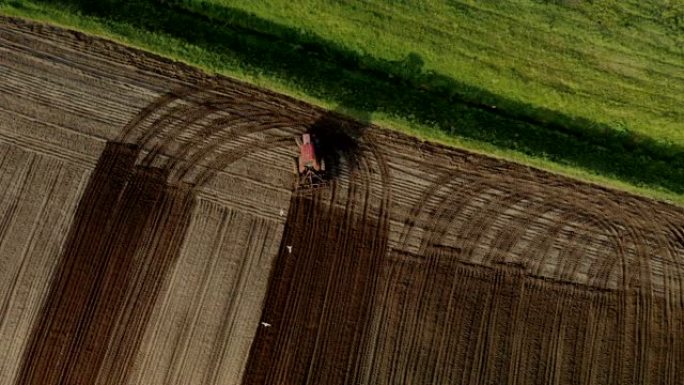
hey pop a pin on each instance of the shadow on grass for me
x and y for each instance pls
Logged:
(401, 88)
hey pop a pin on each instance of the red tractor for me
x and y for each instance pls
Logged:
(310, 169)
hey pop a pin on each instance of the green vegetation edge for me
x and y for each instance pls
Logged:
(666, 186)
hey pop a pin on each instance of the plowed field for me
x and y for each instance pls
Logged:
(149, 234)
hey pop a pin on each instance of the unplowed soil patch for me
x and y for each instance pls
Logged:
(149, 235)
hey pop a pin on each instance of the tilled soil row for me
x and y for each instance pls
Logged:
(320, 295)
(445, 322)
(128, 230)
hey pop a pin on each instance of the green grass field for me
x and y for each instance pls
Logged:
(618, 63)
(593, 90)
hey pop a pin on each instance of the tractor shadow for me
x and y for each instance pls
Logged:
(338, 142)
(338, 136)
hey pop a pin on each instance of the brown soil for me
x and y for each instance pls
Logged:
(142, 242)
(318, 303)
(126, 233)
